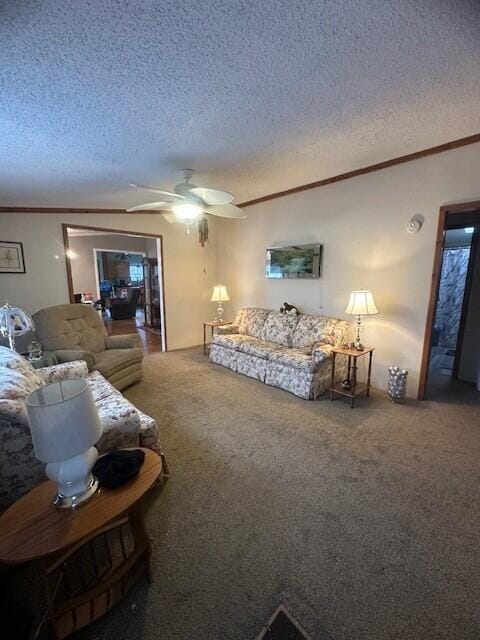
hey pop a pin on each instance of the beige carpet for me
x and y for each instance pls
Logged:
(365, 522)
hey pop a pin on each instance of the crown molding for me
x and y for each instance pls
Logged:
(447, 146)
(441, 148)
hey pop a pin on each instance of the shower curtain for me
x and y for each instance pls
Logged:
(450, 296)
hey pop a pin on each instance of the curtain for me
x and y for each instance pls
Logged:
(450, 296)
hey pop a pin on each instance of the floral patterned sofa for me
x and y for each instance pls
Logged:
(292, 352)
(123, 425)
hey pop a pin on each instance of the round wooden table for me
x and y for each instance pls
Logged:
(103, 544)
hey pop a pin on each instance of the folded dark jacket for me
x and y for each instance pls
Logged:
(118, 467)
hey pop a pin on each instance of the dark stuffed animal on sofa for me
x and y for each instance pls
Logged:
(290, 309)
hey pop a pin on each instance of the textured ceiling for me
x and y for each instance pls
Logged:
(257, 95)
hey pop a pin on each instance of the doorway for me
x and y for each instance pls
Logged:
(451, 357)
(120, 274)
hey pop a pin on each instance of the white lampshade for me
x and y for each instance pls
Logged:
(361, 303)
(63, 420)
(220, 293)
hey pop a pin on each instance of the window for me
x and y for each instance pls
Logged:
(136, 272)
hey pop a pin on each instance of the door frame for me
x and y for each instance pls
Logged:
(466, 300)
(141, 234)
(445, 210)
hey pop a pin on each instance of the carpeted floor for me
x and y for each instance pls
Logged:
(364, 522)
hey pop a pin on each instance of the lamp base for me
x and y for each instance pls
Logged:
(219, 316)
(71, 502)
(74, 479)
(358, 343)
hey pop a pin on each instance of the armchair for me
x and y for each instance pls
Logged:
(76, 332)
(125, 308)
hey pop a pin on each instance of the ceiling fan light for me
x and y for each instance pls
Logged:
(187, 212)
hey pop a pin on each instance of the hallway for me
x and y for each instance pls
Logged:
(151, 340)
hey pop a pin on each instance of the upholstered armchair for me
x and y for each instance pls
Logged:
(125, 308)
(77, 332)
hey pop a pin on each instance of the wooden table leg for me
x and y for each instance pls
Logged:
(369, 373)
(141, 537)
(332, 393)
(204, 339)
(48, 621)
(354, 381)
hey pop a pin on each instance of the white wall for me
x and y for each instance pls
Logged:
(361, 223)
(189, 269)
(151, 247)
(83, 262)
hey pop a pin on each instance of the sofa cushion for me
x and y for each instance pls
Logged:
(231, 341)
(279, 328)
(250, 321)
(246, 344)
(297, 358)
(111, 361)
(13, 360)
(70, 326)
(17, 376)
(20, 469)
(311, 329)
(258, 348)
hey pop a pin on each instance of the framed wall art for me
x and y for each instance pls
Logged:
(11, 257)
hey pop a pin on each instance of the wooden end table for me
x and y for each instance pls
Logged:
(90, 556)
(213, 324)
(356, 388)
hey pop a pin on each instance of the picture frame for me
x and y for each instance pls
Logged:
(11, 257)
(298, 262)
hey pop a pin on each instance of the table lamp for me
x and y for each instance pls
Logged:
(361, 303)
(65, 425)
(14, 322)
(220, 294)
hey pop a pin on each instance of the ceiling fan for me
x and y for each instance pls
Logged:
(189, 203)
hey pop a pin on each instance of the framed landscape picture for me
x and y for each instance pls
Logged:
(11, 257)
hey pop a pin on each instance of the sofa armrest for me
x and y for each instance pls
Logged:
(321, 352)
(124, 341)
(70, 355)
(226, 329)
(65, 371)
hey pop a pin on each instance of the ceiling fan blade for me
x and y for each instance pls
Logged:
(226, 211)
(171, 217)
(151, 206)
(212, 196)
(169, 195)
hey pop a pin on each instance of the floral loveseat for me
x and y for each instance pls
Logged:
(123, 425)
(292, 352)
